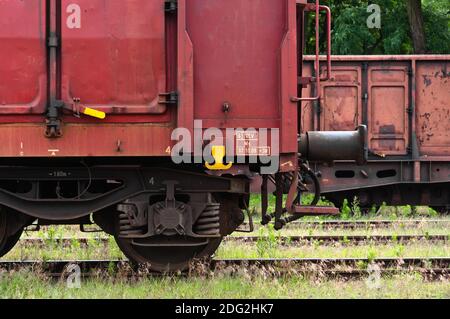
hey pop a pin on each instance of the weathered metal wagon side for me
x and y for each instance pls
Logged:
(96, 95)
(405, 103)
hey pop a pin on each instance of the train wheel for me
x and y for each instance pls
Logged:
(169, 254)
(167, 235)
(7, 242)
(10, 243)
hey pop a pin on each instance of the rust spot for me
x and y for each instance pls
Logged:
(388, 144)
(426, 80)
(443, 74)
(387, 129)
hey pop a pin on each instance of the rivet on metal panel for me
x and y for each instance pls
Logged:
(76, 107)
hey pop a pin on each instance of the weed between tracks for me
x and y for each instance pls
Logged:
(265, 247)
(268, 244)
(316, 250)
(93, 248)
(421, 226)
(423, 229)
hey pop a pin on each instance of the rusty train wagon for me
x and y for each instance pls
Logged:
(405, 103)
(91, 95)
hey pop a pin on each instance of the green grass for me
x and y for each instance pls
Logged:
(29, 285)
(221, 285)
(266, 247)
(422, 229)
(316, 250)
(54, 251)
(48, 234)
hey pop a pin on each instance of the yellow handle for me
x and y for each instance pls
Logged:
(94, 113)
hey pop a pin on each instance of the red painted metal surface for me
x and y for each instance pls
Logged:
(247, 59)
(388, 103)
(433, 107)
(119, 56)
(115, 59)
(102, 140)
(23, 74)
(233, 66)
(342, 97)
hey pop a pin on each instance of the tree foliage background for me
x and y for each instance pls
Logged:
(352, 36)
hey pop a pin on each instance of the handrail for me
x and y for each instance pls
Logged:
(328, 11)
(318, 78)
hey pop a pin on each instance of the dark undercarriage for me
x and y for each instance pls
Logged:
(158, 214)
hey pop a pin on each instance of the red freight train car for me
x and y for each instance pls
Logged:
(405, 102)
(110, 111)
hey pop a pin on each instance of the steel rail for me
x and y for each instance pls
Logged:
(345, 239)
(282, 240)
(362, 223)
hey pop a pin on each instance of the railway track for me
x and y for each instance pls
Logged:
(343, 224)
(347, 239)
(430, 268)
(282, 240)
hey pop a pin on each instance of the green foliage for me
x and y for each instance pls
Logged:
(356, 209)
(371, 254)
(346, 210)
(373, 211)
(352, 210)
(352, 36)
(399, 250)
(268, 241)
(437, 25)
(28, 285)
